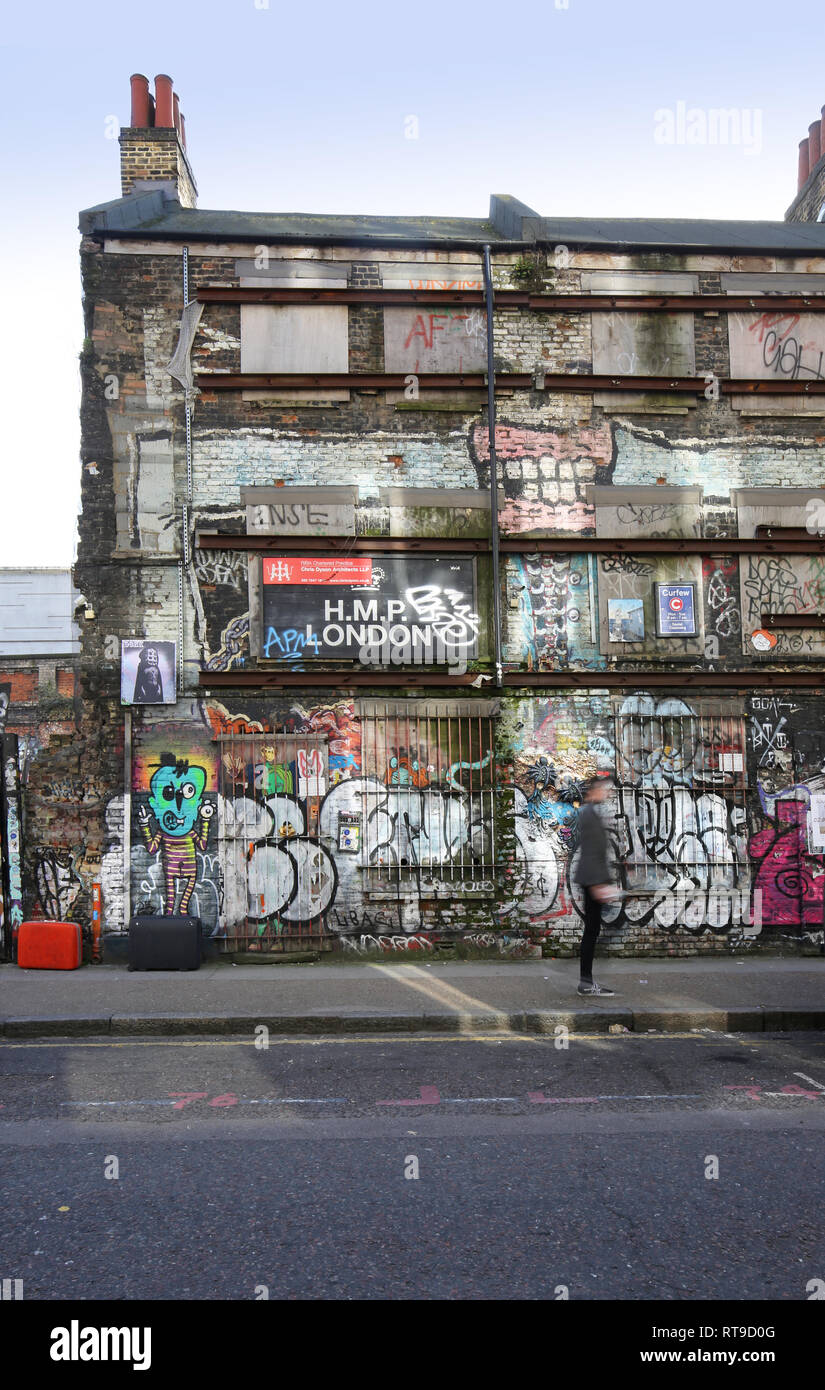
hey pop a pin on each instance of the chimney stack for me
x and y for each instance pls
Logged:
(804, 164)
(153, 147)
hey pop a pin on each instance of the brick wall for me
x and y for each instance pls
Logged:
(810, 200)
(23, 684)
(156, 154)
(550, 449)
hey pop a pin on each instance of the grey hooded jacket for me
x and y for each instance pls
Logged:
(592, 866)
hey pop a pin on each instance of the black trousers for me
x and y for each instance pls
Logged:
(592, 927)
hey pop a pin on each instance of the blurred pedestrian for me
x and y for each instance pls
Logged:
(594, 874)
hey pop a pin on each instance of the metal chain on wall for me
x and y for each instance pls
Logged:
(186, 505)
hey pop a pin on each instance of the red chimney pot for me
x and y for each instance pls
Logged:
(140, 101)
(804, 166)
(814, 146)
(164, 105)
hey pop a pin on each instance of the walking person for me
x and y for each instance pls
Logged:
(594, 875)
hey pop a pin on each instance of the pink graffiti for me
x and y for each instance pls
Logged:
(790, 893)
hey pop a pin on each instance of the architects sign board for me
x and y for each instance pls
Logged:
(362, 608)
(676, 610)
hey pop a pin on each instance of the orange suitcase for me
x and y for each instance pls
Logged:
(49, 946)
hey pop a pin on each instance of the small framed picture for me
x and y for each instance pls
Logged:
(676, 610)
(625, 620)
(147, 672)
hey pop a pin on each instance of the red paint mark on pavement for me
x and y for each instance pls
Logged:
(794, 1090)
(755, 1092)
(187, 1097)
(752, 1091)
(429, 1095)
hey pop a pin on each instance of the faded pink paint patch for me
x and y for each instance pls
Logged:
(562, 463)
(522, 516)
(791, 895)
(517, 441)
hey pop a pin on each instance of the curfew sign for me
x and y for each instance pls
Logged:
(676, 610)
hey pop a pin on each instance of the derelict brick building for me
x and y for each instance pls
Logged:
(287, 495)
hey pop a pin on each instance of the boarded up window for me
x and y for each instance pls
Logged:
(643, 344)
(630, 344)
(294, 337)
(780, 346)
(435, 339)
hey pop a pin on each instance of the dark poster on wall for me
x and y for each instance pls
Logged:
(5, 701)
(147, 672)
(359, 607)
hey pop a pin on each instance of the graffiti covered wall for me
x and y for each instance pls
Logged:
(234, 820)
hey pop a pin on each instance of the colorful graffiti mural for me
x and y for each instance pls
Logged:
(708, 824)
(174, 863)
(175, 822)
(787, 748)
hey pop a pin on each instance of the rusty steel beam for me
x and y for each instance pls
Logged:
(670, 680)
(377, 679)
(513, 545)
(355, 677)
(348, 381)
(343, 545)
(521, 299)
(519, 381)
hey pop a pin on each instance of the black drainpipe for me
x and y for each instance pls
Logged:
(491, 426)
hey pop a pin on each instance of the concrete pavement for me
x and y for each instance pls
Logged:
(749, 994)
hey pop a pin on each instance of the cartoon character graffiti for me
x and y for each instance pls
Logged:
(182, 820)
(407, 770)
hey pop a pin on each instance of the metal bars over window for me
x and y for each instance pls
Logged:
(428, 795)
(278, 879)
(681, 818)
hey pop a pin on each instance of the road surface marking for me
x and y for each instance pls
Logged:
(810, 1080)
(464, 1004)
(390, 1039)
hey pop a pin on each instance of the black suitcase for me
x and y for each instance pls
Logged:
(165, 943)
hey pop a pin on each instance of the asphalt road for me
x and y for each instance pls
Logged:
(543, 1172)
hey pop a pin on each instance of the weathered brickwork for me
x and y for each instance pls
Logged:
(156, 155)
(808, 204)
(712, 827)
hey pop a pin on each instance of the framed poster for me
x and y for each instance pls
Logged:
(625, 620)
(147, 672)
(676, 610)
(332, 607)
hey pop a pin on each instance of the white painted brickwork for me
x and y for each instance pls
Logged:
(223, 463)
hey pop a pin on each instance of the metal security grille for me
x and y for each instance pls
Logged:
(681, 796)
(278, 879)
(428, 793)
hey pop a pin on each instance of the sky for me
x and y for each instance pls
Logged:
(293, 109)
